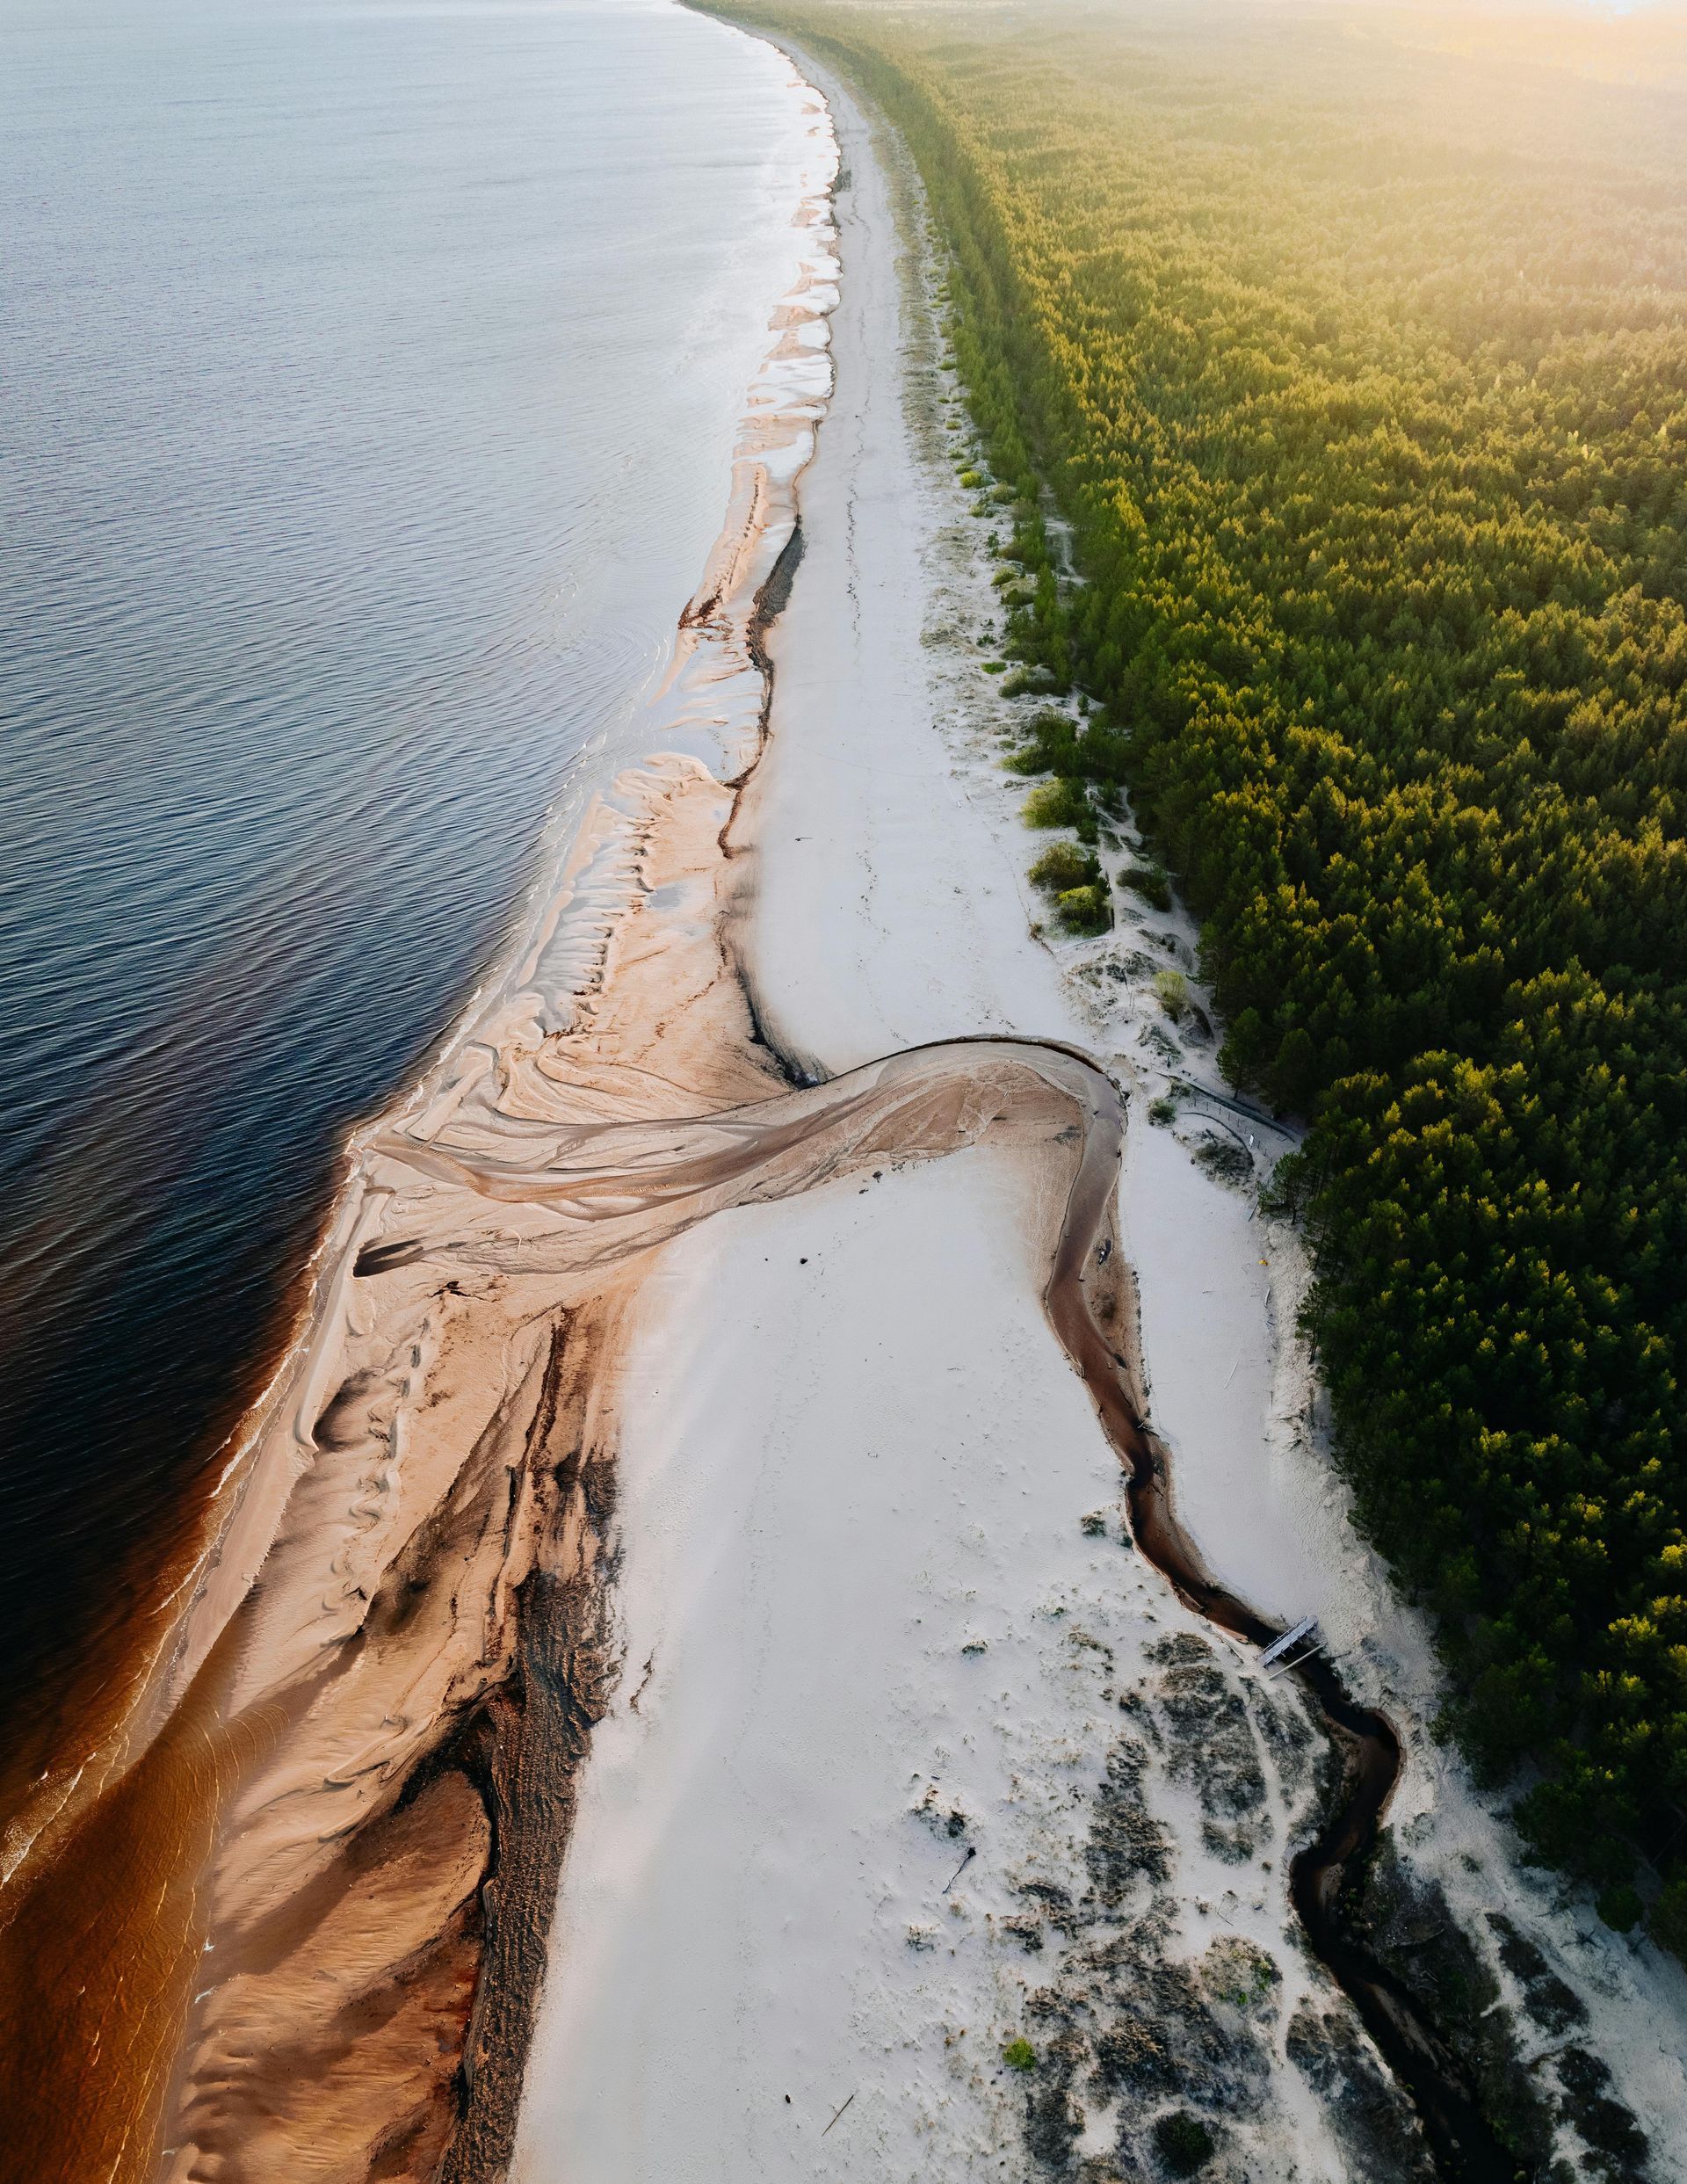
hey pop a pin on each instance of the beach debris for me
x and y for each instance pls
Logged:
(930, 1809)
(838, 2113)
(972, 1853)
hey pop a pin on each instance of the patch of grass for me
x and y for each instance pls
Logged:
(1162, 1111)
(1183, 2143)
(1039, 680)
(1171, 990)
(971, 479)
(995, 667)
(1224, 1160)
(1019, 2055)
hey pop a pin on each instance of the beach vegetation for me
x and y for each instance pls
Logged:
(1357, 368)
(1019, 2055)
(1061, 803)
(1063, 866)
(1151, 883)
(1171, 990)
(1086, 910)
(1183, 2143)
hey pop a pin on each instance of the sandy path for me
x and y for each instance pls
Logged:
(890, 909)
(809, 1549)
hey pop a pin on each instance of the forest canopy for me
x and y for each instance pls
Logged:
(1353, 346)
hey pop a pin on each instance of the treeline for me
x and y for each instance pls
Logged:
(1360, 372)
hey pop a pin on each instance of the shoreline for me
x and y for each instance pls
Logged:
(313, 1502)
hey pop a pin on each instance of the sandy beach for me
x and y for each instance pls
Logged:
(676, 1691)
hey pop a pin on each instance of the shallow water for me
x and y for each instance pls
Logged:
(371, 375)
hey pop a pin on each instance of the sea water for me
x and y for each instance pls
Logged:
(370, 371)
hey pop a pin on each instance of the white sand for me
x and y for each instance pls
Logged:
(892, 908)
(809, 1548)
(840, 1473)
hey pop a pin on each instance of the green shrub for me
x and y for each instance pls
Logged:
(1036, 681)
(1061, 804)
(1019, 2055)
(1057, 743)
(1085, 909)
(1668, 1919)
(1063, 866)
(1172, 990)
(972, 479)
(1620, 1907)
(1183, 2143)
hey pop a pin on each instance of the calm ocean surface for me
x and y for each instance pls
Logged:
(369, 375)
